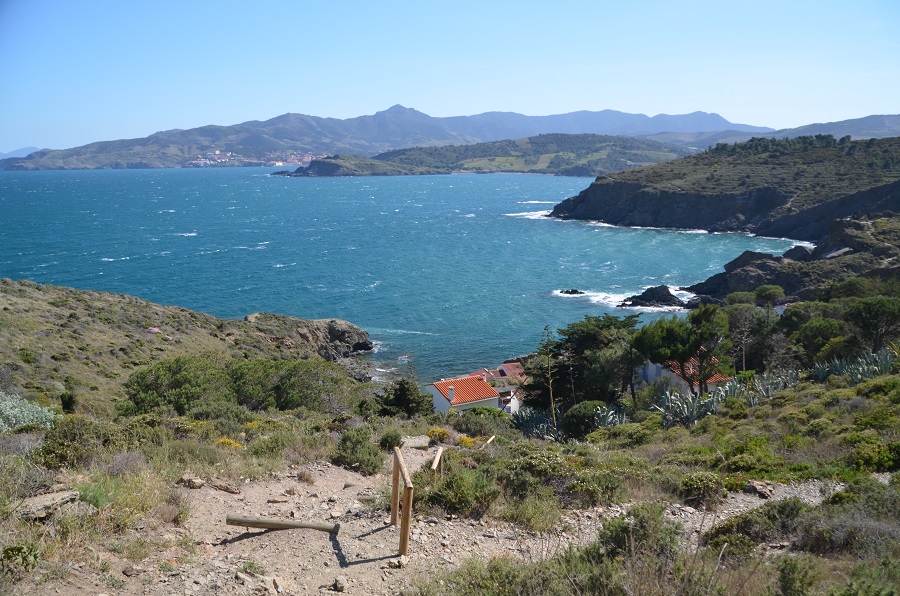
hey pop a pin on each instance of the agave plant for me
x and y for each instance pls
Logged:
(607, 416)
(685, 409)
(537, 424)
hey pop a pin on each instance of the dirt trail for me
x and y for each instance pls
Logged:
(360, 559)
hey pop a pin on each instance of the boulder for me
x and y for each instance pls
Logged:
(43, 506)
(763, 490)
(654, 297)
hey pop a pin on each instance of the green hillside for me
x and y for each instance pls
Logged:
(55, 340)
(561, 154)
(789, 187)
(810, 170)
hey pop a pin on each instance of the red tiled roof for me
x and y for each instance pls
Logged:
(466, 390)
(486, 374)
(511, 369)
(692, 368)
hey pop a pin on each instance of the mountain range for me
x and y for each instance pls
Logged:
(297, 138)
(287, 138)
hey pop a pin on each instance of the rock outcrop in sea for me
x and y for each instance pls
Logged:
(655, 297)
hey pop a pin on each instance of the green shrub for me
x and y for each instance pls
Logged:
(482, 422)
(390, 439)
(178, 383)
(737, 546)
(18, 559)
(595, 487)
(538, 510)
(464, 491)
(864, 518)
(16, 412)
(579, 419)
(76, 439)
(796, 576)
(356, 450)
(644, 528)
(769, 522)
(701, 488)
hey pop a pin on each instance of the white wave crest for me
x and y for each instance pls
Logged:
(529, 214)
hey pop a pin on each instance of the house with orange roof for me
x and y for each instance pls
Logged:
(462, 393)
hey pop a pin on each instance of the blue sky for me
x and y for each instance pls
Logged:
(76, 72)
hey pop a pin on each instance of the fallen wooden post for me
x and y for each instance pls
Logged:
(277, 524)
(487, 443)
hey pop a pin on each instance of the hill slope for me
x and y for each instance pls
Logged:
(281, 139)
(562, 154)
(763, 186)
(868, 127)
(54, 337)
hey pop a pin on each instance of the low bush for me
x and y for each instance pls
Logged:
(701, 488)
(390, 439)
(464, 491)
(864, 518)
(579, 419)
(438, 434)
(16, 412)
(769, 522)
(356, 450)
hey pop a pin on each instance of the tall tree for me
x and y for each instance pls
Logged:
(591, 359)
(694, 347)
(877, 318)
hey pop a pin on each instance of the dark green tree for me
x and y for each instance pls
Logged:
(694, 348)
(405, 397)
(877, 319)
(591, 359)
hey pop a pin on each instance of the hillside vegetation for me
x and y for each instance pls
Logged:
(58, 340)
(561, 154)
(754, 186)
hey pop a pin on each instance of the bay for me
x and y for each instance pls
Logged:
(451, 273)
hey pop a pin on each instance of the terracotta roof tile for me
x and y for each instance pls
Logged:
(466, 389)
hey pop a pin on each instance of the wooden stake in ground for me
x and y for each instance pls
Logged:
(399, 472)
(277, 524)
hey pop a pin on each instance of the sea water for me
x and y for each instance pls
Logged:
(450, 273)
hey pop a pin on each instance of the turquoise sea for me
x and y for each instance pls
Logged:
(452, 273)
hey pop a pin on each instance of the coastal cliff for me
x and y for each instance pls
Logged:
(841, 195)
(792, 188)
(864, 245)
(631, 204)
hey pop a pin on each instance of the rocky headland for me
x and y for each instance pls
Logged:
(841, 195)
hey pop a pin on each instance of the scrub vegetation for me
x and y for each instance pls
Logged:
(813, 394)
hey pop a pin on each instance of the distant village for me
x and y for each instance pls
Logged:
(216, 158)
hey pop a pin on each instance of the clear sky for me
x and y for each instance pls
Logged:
(74, 72)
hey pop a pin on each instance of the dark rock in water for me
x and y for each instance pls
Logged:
(571, 292)
(655, 297)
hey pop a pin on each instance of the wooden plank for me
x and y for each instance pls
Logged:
(437, 459)
(403, 471)
(405, 519)
(276, 524)
(395, 490)
(488, 442)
